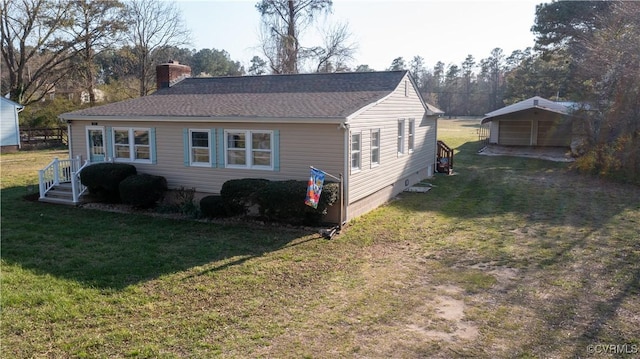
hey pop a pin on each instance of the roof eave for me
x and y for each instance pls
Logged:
(491, 118)
(233, 119)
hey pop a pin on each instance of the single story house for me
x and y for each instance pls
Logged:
(9, 125)
(372, 127)
(532, 122)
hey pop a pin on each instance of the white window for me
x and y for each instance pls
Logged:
(375, 147)
(356, 150)
(199, 148)
(412, 131)
(249, 149)
(132, 144)
(401, 136)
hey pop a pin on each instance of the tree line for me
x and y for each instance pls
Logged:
(585, 52)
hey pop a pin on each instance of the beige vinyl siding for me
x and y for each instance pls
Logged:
(393, 168)
(554, 133)
(300, 145)
(515, 133)
(533, 127)
(383, 195)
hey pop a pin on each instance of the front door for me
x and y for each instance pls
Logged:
(95, 142)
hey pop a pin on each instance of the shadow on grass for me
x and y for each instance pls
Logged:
(541, 190)
(585, 260)
(113, 250)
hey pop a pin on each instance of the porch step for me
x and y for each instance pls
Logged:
(56, 200)
(60, 194)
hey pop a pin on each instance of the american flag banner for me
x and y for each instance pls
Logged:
(314, 189)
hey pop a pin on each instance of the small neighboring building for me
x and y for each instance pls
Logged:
(97, 93)
(533, 122)
(9, 125)
(372, 127)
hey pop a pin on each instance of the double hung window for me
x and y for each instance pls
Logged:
(200, 147)
(375, 147)
(132, 144)
(401, 137)
(412, 132)
(249, 149)
(356, 150)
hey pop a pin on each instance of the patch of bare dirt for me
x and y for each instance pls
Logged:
(504, 275)
(443, 318)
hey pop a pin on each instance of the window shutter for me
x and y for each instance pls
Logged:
(212, 148)
(152, 144)
(220, 148)
(185, 146)
(109, 144)
(276, 150)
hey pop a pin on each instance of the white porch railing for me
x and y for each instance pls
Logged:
(62, 171)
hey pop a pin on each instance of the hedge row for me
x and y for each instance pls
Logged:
(119, 182)
(103, 179)
(281, 201)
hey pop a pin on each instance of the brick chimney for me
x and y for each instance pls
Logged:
(170, 73)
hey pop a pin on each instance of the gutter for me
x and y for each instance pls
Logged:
(209, 119)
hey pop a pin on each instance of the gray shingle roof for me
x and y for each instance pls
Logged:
(335, 95)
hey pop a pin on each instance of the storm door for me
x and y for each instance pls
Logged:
(96, 144)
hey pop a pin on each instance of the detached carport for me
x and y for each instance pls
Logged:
(533, 122)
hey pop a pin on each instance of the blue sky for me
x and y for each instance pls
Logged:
(437, 30)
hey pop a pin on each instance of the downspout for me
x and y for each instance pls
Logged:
(69, 137)
(18, 110)
(345, 178)
(435, 152)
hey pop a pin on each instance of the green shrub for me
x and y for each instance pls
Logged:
(103, 179)
(143, 190)
(618, 160)
(284, 201)
(240, 194)
(212, 207)
(281, 201)
(185, 201)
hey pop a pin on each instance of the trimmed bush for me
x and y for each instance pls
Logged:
(212, 207)
(284, 201)
(103, 179)
(240, 194)
(142, 191)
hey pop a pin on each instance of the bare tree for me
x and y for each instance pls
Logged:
(283, 22)
(98, 23)
(36, 46)
(336, 50)
(154, 24)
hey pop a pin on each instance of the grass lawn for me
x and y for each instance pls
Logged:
(508, 258)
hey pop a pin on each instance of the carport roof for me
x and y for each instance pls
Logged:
(533, 102)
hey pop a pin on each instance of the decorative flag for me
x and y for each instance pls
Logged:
(315, 188)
